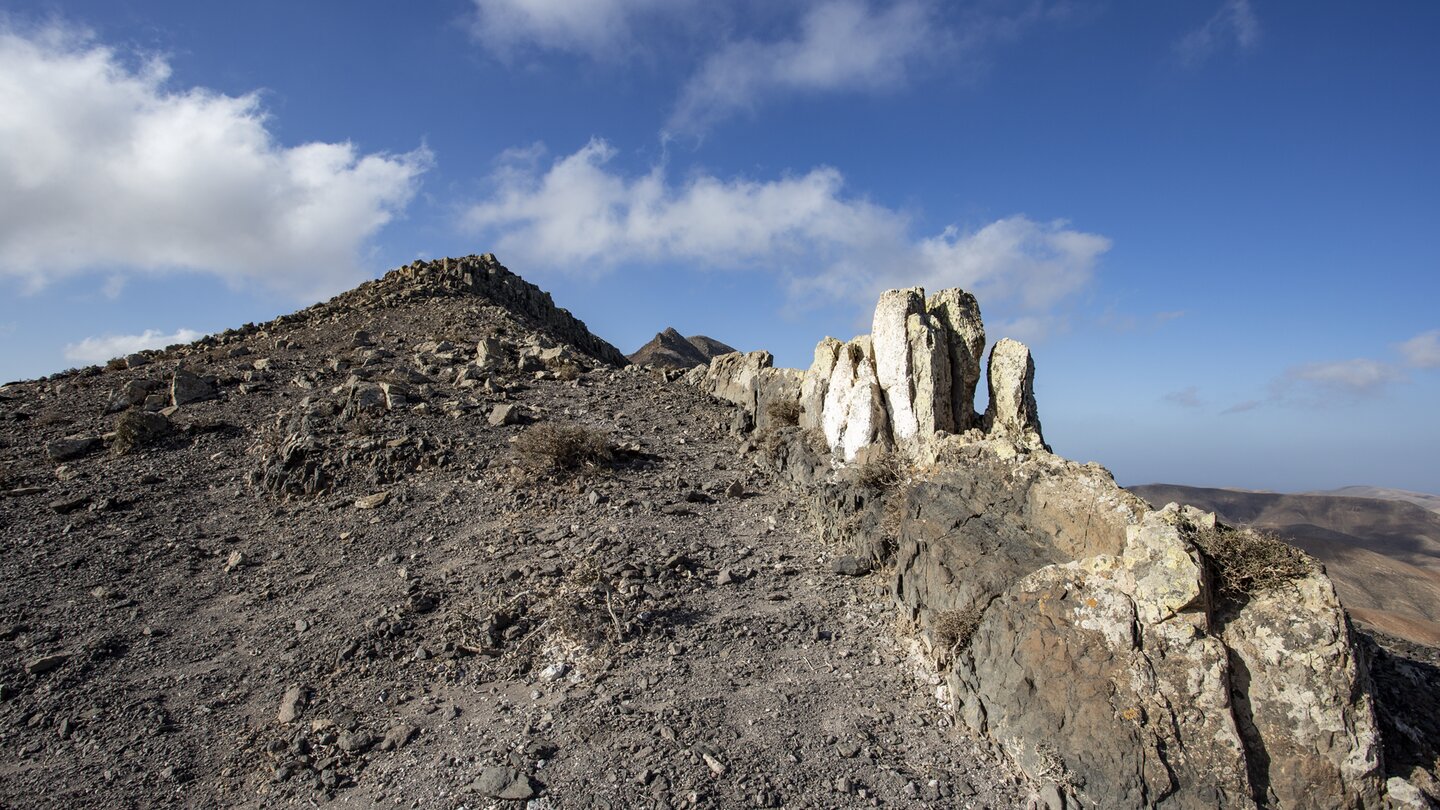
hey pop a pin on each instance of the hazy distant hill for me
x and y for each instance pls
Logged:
(1384, 554)
(670, 348)
(1431, 502)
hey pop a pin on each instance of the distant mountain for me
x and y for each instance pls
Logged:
(1383, 554)
(672, 349)
(1422, 499)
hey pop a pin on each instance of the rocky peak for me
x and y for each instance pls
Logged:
(673, 350)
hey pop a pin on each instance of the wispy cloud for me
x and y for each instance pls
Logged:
(600, 29)
(1246, 405)
(100, 349)
(840, 45)
(104, 165)
(1327, 383)
(1423, 350)
(1233, 25)
(578, 215)
(1185, 398)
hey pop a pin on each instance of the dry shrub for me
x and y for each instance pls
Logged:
(952, 629)
(816, 442)
(1249, 561)
(116, 364)
(567, 372)
(784, 412)
(878, 469)
(558, 446)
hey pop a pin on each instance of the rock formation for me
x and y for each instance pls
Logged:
(907, 384)
(1082, 633)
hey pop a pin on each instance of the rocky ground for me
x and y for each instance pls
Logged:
(336, 573)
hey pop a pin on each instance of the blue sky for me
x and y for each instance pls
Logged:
(1214, 222)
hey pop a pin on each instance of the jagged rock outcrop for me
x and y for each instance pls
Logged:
(751, 381)
(853, 415)
(909, 383)
(959, 313)
(670, 349)
(1012, 412)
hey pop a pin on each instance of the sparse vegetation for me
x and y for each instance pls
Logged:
(879, 469)
(952, 629)
(784, 412)
(1248, 560)
(552, 446)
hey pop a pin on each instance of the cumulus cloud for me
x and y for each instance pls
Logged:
(841, 45)
(99, 349)
(1234, 24)
(1423, 350)
(104, 166)
(597, 28)
(580, 216)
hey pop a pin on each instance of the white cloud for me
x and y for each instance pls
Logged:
(106, 167)
(100, 349)
(579, 216)
(1235, 22)
(1423, 350)
(841, 45)
(601, 29)
(1349, 379)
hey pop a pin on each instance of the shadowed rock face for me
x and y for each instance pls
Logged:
(671, 349)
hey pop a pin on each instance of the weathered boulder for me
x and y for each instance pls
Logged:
(959, 313)
(489, 354)
(817, 382)
(1012, 413)
(891, 341)
(751, 381)
(187, 387)
(1114, 650)
(72, 447)
(1302, 699)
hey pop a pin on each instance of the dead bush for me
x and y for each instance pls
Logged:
(1248, 561)
(116, 364)
(567, 372)
(552, 446)
(784, 412)
(878, 469)
(952, 629)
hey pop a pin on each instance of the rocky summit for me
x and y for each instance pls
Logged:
(670, 349)
(434, 544)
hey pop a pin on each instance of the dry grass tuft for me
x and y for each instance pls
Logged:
(879, 469)
(784, 412)
(1249, 561)
(551, 446)
(952, 629)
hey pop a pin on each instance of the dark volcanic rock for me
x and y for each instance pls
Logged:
(673, 350)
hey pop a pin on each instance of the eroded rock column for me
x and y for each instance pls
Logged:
(1012, 413)
(891, 339)
(959, 313)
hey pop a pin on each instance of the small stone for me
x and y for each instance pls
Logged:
(71, 448)
(716, 766)
(735, 490)
(396, 737)
(354, 742)
(237, 559)
(291, 705)
(46, 663)
(851, 566)
(375, 501)
(504, 414)
(499, 782)
(696, 496)
(65, 506)
(726, 577)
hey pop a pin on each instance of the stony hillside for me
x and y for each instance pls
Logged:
(670, 349)
(337, 570)
(434, 544)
